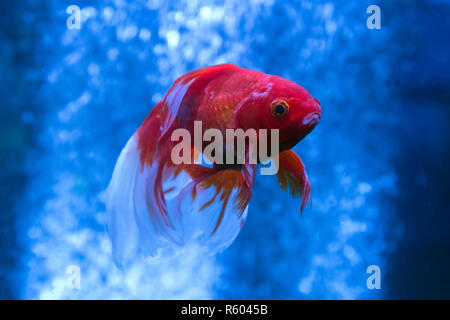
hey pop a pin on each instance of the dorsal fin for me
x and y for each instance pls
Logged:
(186, 91)
(161, 119)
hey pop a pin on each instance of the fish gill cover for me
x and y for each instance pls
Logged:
(100, 82)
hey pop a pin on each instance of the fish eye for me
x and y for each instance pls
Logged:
(279, 108)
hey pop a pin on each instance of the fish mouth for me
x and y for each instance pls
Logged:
(304, 126)
(311, 120)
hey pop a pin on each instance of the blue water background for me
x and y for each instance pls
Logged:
(74, 97)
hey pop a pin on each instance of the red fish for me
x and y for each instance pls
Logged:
(156, 206)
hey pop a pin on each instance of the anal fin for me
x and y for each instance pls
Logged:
(225, 182)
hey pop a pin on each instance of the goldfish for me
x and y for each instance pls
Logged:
(156, 206)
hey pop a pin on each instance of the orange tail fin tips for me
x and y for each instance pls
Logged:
(229, 184)
(292, 176)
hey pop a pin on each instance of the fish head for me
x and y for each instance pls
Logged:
(292, 110)
(277, 103)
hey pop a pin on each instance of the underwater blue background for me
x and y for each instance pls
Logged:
(378, 161)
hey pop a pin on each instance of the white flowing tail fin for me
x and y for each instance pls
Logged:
(120, 203)
(197, 212)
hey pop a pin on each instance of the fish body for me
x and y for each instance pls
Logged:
(156, 206)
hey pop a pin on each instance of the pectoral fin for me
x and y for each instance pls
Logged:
(292, 176)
